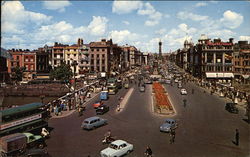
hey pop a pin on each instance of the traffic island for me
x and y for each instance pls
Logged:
(161, 102)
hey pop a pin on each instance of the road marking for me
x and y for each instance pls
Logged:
(125, 100)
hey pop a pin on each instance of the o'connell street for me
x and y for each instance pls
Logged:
(125, 78)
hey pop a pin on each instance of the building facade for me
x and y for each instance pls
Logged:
(57, 57)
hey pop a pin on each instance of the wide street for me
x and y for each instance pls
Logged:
(205, 128)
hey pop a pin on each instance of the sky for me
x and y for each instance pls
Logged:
(32, 24)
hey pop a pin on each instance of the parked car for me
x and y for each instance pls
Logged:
(176, 80)
(142, 88)
(117, 148)
(102, 109)
(230, 107)
(93, 122)
(183, 91)
(168, 125)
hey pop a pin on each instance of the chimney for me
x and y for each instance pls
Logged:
(79, 42)
(56, 44)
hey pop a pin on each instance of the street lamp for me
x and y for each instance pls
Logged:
(74, 64)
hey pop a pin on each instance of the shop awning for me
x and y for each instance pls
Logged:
(219, 75)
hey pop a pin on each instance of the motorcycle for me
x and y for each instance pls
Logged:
(108, 140)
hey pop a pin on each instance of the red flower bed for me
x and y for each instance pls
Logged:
(161, 97)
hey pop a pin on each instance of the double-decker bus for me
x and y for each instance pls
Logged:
(26, 118)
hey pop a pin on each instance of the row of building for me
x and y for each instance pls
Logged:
(94, 58)
(215, 59)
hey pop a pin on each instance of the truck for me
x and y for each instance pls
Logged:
(17, 143)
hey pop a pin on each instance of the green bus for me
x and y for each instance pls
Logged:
(26, 118)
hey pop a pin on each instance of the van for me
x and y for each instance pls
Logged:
(93, 122)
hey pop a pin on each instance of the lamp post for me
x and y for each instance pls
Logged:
(74, 64)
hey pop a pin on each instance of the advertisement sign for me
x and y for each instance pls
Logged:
(21, 121)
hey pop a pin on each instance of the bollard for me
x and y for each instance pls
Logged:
(236, 100)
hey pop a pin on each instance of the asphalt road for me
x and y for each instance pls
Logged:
(205, 129)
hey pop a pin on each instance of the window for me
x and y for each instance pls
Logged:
(92, 61)
(103, 49)
(92, 55)
(74, 55)
(97, 56)
(92, 49)
(97, 49)
(68, 55)
(17, 57)
(103, 55)
(97, 61)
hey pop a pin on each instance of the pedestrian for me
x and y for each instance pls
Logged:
(172, 136)
(148, 152)
(184, 103)
(237, 137)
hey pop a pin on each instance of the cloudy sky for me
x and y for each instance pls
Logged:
(32, 24)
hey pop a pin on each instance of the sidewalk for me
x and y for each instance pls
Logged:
(69, 112)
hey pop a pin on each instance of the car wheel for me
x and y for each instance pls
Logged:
(41, 145)
(128, 152)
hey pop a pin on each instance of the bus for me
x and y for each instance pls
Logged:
(26, 118)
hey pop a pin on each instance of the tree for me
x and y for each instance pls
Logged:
(62, 72)
(17, 73)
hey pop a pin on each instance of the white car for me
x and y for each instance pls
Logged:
(176, 81)
(117, 148)
(183, 91)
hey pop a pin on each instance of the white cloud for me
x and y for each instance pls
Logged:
(231, 19)
(126, 22)
(247, 38)
(200, 4)
(124, 7)
(167, 16)
(15, 17)
(123, 36)
(151, 22)
(56, 5)
(160, 31)
(153, 15)
(188, 15)
(79, 12)
(224, 34)
(98, 26)
(148, 9)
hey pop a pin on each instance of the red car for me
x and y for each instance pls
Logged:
(97, 104)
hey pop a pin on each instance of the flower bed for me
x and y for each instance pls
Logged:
(162, 101)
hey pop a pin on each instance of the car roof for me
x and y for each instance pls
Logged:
(169, 119)
(91, 118)
(118, 142)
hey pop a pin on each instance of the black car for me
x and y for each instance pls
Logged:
(230, 107)
(102, 109)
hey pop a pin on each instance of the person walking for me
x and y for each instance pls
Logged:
(237, 137)
(148, 152)
(172, 136)
(184, 103)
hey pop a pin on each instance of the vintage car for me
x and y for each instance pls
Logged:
(102, 109)
(93, 122)
(230, 107)
(97, 104)
(168, 125)
(117, 148)
(183, 91)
